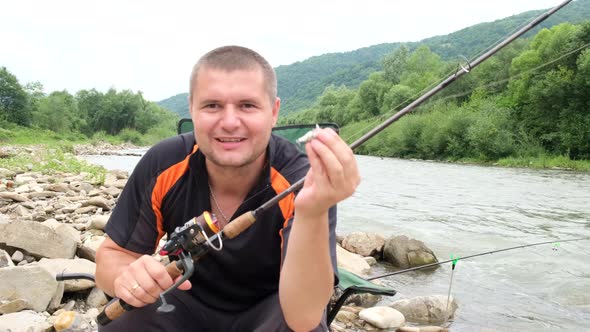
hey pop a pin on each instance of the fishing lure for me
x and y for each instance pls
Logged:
(308, 136)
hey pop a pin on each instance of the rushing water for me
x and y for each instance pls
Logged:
(462, 210)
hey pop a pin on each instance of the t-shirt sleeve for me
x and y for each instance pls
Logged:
(133, 225)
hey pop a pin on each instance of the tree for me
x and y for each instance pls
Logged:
(58, 112)
(394, 64)
(423, 69)
(13, 100)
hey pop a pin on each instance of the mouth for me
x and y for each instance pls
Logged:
(230, 139)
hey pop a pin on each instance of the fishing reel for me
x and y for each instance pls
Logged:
(189, 243)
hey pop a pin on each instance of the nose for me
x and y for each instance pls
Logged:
(230, 119)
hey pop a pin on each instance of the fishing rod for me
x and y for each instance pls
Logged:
(455, 260)
(460, 72)
(193, 240)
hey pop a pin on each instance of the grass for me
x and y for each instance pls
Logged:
(546, 161)
(52, 161)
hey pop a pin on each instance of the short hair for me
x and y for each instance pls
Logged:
(230, 58)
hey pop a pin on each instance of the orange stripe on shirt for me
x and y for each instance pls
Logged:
(287, 204)
(164, 182)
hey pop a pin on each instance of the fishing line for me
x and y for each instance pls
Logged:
(297, 185)
(556, 244)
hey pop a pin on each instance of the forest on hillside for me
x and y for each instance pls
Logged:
(530, 99)
(301, 83)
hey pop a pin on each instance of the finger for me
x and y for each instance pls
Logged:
(332, 166)
(126, 295)
(141, 294)
(186, 285)
(148, 290)
(159, 279)
(314, 162)
(340, 149)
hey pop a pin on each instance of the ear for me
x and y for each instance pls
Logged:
(275, 111)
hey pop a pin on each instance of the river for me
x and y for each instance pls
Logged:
(465, 209)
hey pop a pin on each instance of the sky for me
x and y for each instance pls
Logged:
(151, 46)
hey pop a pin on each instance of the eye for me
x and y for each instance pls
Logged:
(211, 106)
(248, 105)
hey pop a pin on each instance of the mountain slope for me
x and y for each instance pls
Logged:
(302, 82)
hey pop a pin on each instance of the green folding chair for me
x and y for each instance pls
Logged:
(351, 284)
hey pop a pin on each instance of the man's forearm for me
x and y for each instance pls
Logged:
(307, 277)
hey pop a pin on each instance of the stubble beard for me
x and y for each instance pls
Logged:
(235, 165)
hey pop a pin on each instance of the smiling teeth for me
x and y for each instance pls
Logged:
(230, 139)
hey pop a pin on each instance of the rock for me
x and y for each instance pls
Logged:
(33, 284)
(70, 321)
(87, 209)
(79, 186)
(97, 201)
(96, 298)
(58, 187)
(42, 194)
(21, 211)
(89, 247)
(112, 191)
(5, 259)
(56, 299)
(24, 321)
(426, 309)
(364, 244)
(404, 253)
(363, 300)
(13, 196)
(60, 265)
(13, 306)
(346, 316)
(408, 329)
(370, 260)
(5, 173)
(18, 256)
(98, 222)
(383, 317)
(23, 178)
(39, 240)
(352, 262)
(69, 306)
(22, 189)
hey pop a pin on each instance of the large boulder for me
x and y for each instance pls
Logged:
(383, 317)
(24, 321)
(31, 283)
(61, 265)
(427, 309)
(40, 240)
(352, 262)
(90, 246)
(404, 253)
(364, 244)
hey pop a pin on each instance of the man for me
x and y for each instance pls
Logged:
(275, 276)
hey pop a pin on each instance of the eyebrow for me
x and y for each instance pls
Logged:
(209, 101)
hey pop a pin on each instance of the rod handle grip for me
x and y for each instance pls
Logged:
(239, 225)
(116, 307)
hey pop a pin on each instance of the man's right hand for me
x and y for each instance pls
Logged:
(137, 280)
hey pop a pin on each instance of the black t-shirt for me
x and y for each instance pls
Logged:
(169, 186)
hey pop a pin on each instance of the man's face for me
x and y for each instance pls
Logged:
(233, 116)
